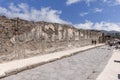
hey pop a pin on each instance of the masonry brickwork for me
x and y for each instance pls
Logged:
(22, 39)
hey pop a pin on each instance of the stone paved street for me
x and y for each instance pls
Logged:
(83, 66)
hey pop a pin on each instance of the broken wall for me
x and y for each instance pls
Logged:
(23, 38)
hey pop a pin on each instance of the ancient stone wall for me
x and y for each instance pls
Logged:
(23, 38)
(53, 36)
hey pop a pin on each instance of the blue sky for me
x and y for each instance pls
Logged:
(85, 14)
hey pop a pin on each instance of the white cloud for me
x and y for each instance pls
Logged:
(13, 8)
(98, 10)
(23, 11)
(83, 14)
(106, 1)
(86, 25)
(24, 7)
(69, 2)
(89, 1)
(112, 2)
(118, 2)
(99, 26)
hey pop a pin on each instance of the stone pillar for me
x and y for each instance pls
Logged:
(56, 36)
(67, 36)
(81, 37)
(43, 39)
(73, 34)
(88, 37)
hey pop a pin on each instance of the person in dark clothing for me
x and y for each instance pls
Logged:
(92, 42)
(95, 42)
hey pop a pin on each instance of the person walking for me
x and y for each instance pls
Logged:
(116, 43)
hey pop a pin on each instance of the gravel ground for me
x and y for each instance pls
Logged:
(83, 66)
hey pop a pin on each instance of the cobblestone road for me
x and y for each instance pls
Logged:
(83, 66)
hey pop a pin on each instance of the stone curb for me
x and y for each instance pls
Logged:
(16, 66)
(112, 69)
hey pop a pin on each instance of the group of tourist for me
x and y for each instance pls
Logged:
(115, 42)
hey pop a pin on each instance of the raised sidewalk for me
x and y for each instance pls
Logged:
(112, 69)
(16, 66)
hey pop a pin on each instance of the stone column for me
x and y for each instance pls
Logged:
(56, 36)
(67, 36)
(81, 37)
(43, 39)
(90, 37)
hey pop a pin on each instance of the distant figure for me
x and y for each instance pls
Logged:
(94, 42)
(109, 43)
(119, 42)
(116, 43)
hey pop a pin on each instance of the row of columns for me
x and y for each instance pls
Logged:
(60, 33)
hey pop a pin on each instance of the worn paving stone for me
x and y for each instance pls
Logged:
(83, 66)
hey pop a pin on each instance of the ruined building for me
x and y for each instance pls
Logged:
(20, 38)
